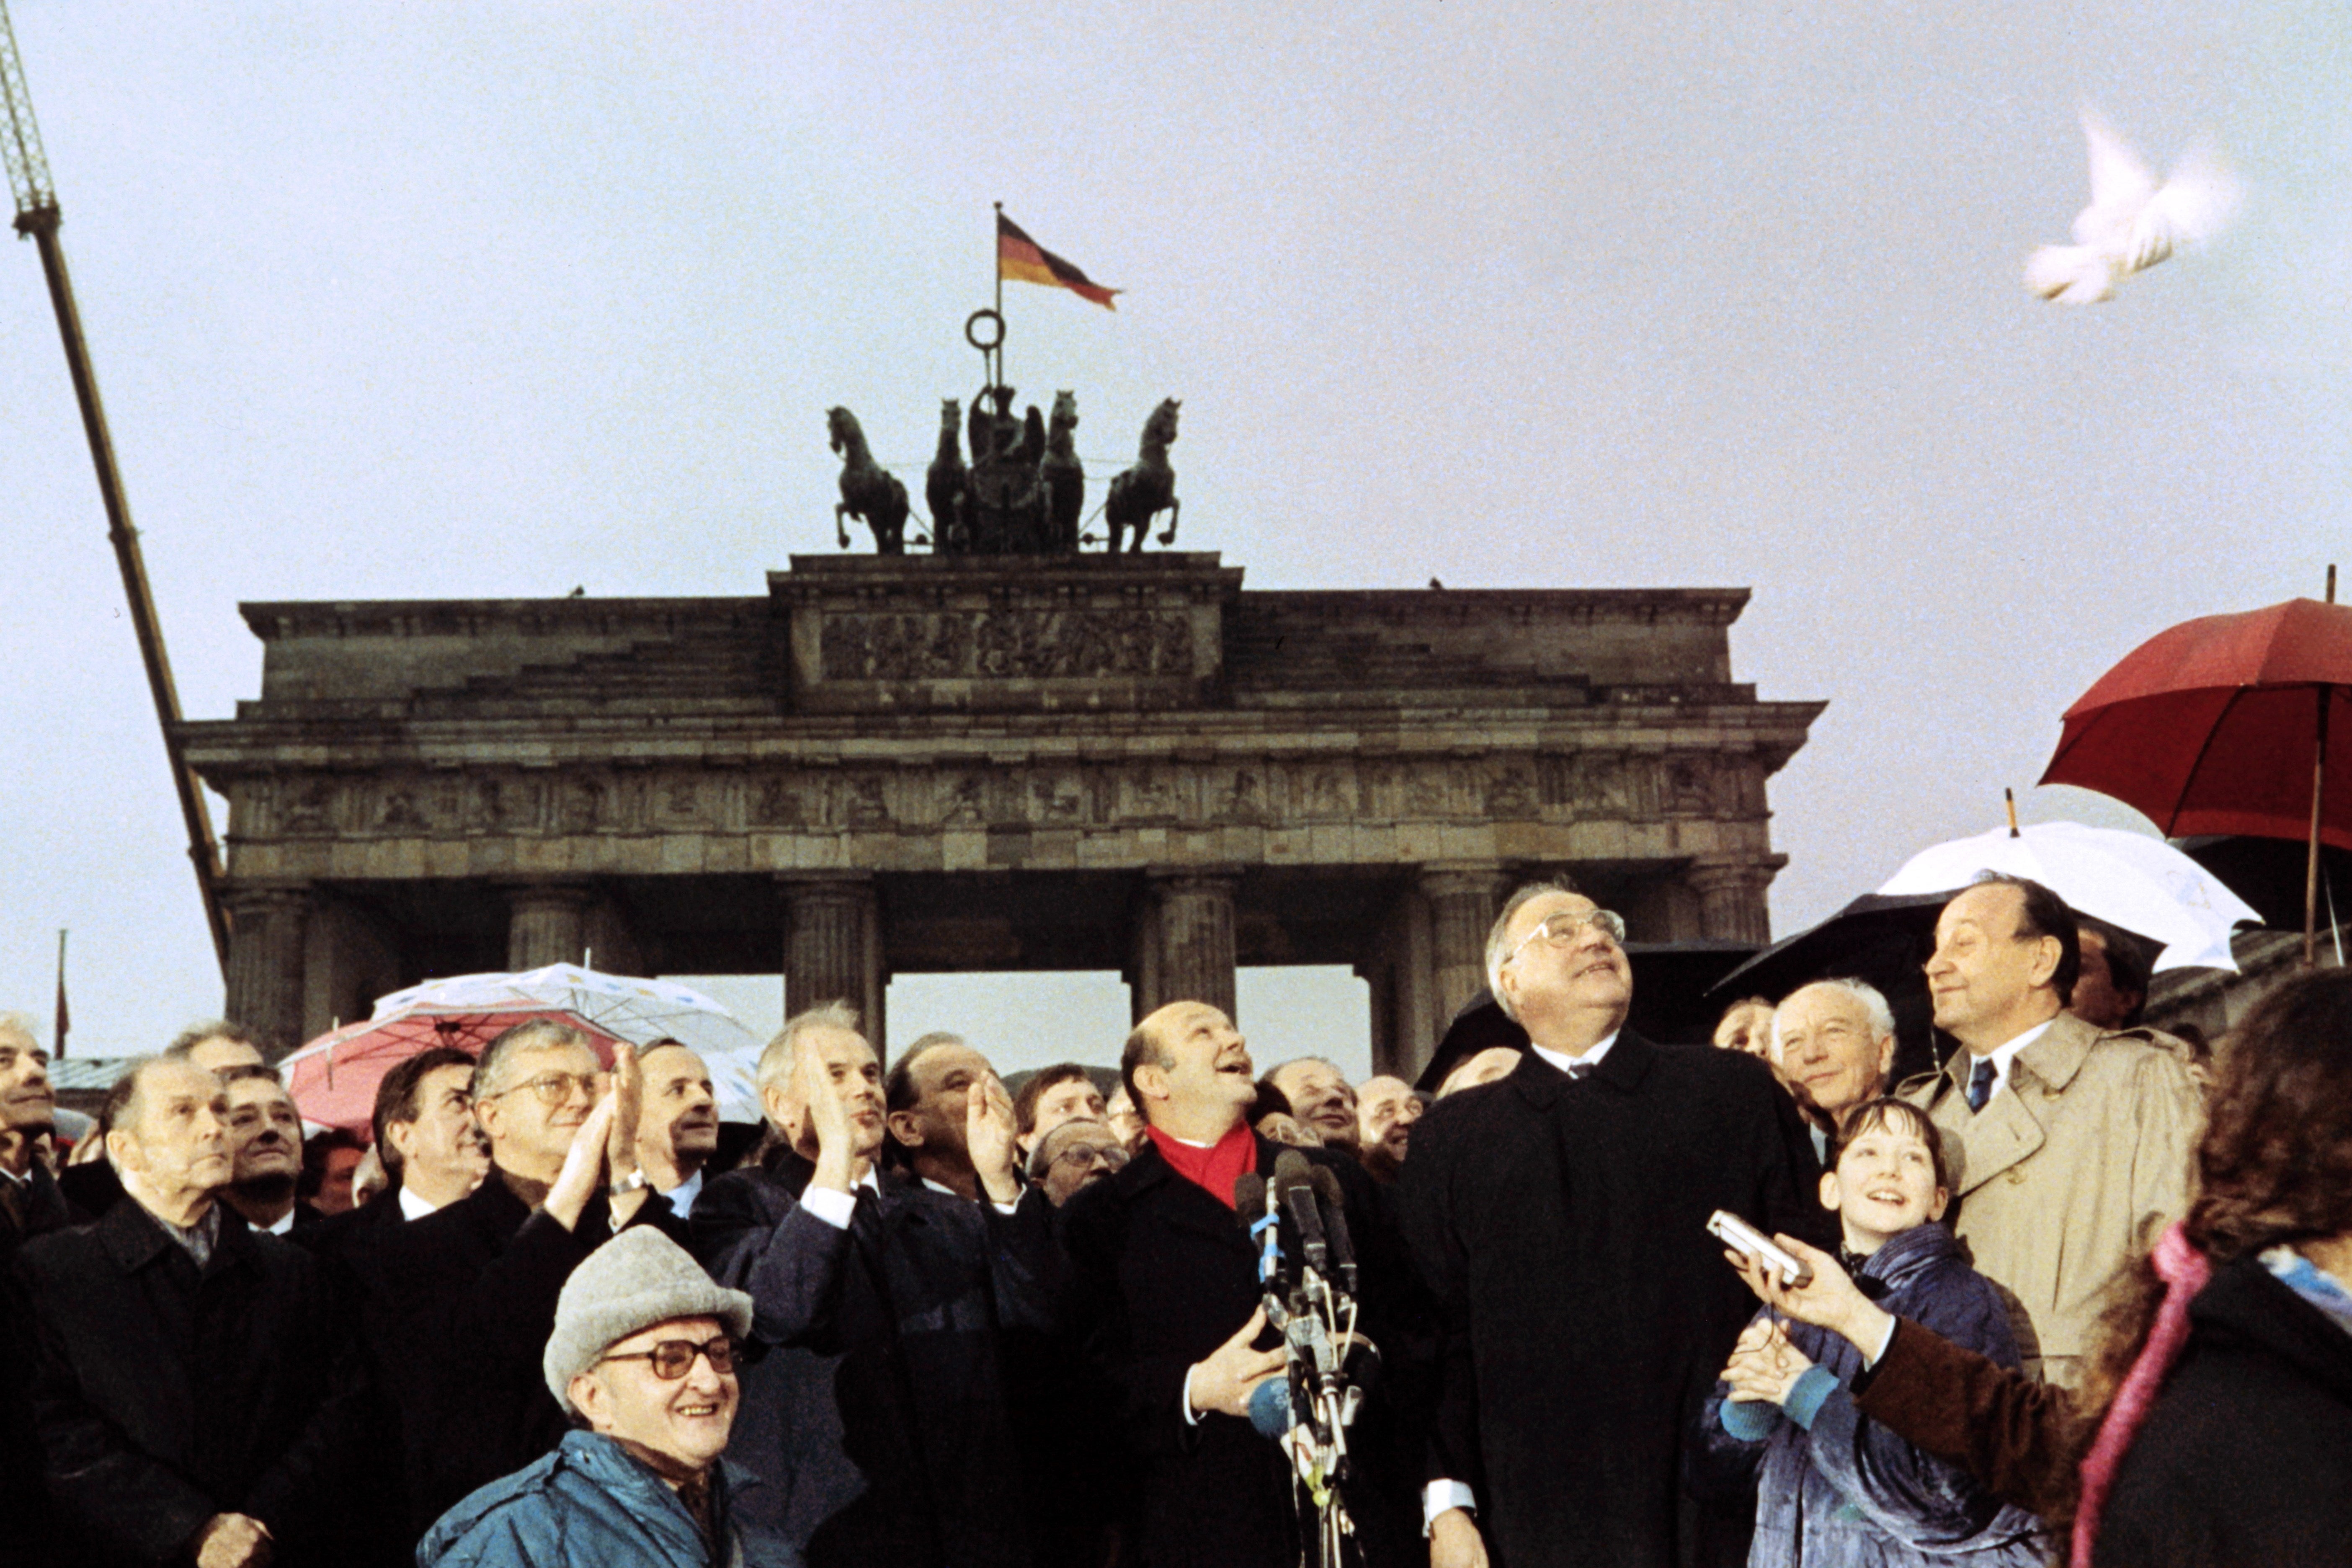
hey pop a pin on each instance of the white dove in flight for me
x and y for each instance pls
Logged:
(2132, 223)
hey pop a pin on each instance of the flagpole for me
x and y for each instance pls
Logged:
(996, 260)
(58, 1045)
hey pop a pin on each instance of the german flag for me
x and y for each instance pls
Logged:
(1024, 261)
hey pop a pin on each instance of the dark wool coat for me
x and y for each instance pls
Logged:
(875, 1413)
(1161, 1274)
(2247, 1456)
(24, 1503)
(458, 1307)
(1849, 1493)
(166, 1395)
(1560, 1225)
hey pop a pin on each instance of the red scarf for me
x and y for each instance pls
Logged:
(1216, 1168)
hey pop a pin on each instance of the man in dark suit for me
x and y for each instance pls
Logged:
(429, 1142)
(1560, 1217)
(1164, 1286)
(460, 1303)
(876, 1417)
(194, 1385)
(30, 1205)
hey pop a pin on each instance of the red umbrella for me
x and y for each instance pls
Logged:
(2226, 725)
(333, 1078)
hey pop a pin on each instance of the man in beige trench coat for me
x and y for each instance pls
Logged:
(2073, 1147)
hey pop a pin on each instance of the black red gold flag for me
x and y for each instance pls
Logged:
(1024, 261)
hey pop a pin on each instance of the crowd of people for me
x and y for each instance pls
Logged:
(2083, 1293)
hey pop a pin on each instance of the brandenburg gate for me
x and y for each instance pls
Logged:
(895, 765)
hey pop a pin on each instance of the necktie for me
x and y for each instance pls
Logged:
(13, 1206)
(1580, 1069)
(1980, 1084)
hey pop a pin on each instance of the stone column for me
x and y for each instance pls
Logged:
(833, 947)
(265, 935)
(1463, 903)
(349, 960)
(1186, 941)
(544, 925)
(1405, 1028)
(1730, 889)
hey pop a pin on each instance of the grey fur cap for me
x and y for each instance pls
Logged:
(638, 1278)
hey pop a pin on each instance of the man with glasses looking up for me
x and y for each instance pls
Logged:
(462, 1299)
(1076, 1154)
(1559, 1214)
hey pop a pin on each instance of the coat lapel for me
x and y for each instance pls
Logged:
(158, 1337)
(1989, 1140)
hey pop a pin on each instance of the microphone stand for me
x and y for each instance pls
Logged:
(1317, 1322)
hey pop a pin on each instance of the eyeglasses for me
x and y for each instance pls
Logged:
(673, 1359)
(1564, 929)
(1090, 1154)
(554, 1088)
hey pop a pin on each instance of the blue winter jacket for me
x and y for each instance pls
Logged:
(1834, 1490)
(589, 1502)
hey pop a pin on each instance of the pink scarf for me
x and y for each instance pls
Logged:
(2184, 1272)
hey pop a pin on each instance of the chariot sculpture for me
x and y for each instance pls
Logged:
(1023, 491)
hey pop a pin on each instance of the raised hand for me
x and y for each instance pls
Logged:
(989, 1136)
(629, 1106)
(1224, 1380)
(827, 1119)
(583, 1166)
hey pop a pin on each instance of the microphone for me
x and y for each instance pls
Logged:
(1249, 1197)
(1325, 1182)
(1269, 1407)
(1294, 1179)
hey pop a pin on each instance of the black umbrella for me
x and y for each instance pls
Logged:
(1882, 940)
(1670, 1005)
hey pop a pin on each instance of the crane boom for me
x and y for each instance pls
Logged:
(37, 218)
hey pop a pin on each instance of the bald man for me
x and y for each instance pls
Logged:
(1165, 1291)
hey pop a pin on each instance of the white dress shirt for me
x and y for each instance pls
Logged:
(835, 1206)
(413, 1207)
(681, 1196)
(2004, 1056)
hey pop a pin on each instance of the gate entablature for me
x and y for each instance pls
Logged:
(837, 771)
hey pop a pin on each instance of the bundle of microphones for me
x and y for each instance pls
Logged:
(1306, 1267)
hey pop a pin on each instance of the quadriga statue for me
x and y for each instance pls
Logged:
(869, 492)
(1148, 489)
(1065, 477)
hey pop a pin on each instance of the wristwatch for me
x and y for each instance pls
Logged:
(634, 1182)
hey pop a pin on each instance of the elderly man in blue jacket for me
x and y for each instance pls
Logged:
(643, 1360)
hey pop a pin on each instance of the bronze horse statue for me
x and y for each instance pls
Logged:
(869, 492)
(1148, 489)
(945, 483)
(1065, 477)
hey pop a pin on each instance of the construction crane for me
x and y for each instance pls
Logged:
(37, 219)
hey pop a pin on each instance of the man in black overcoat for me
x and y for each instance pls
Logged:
(874, 1411)
(458, 1304)
(195, 1388)
(30, 1205)
(1164, 1286)
(1559, 1215)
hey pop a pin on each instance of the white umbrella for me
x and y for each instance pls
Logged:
(638, 1011)
(2129, 879)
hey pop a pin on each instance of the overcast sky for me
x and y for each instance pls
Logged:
(395, 301)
